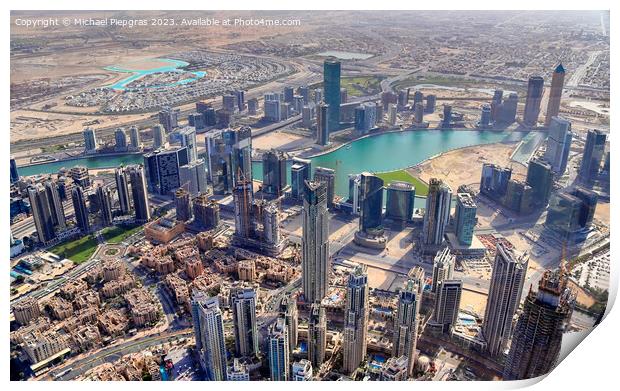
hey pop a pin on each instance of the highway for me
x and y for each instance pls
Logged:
(112, 353)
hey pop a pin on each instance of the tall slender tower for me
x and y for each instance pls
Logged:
(555, 95)
(315, 261)
(209, 331)
(288, 307)
(244, 319)
(592, 156)
(407, 318)
(437, 212)
(447, 303)
(355, 319)
(535, 89)
(507, 280)
(56, 208)
(104, 195)
(317, 335)
(331, 87)
(80, 209)
(242, 197)
(537, 338)
(278, 350)
(139, 192)
(443, 267)
(41, 214)
(122, 189)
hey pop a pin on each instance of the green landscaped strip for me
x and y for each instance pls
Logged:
(78, 250)
(421, 189)
(115, 235)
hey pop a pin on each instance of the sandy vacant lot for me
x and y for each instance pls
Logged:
(463, 166)
(274, 140)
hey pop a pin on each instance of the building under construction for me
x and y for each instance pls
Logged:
(538, 334)
(257, 221)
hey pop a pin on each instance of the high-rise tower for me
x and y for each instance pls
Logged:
(315, 242)
(331, 87)
(537, 337)
(507, 280)
(555, 94)
(355, 319)
(535, 89)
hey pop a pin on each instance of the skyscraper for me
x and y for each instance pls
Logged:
(563, 214)
(535, 89)
(134, 138)
(331, 87)
(90, 140)
(371, 217)
(507, 278)
(437, 212)
(169, 118)
(400, 201)
(537, 337)
(244, 319)
(317, 335)
(355, 319)
(57, 209)
(206, 211)
(193, 177)
(540, 179)
(187, 136)
(300, 173)
(315, 261)
(122, 189)
(14, 172)
(209, 332)
(163, 169)
(274, 173)
(592, 156)
(104, 195)
(447, 304)
(323, 126)
(159, 136)
(494, 181)
(120, 139)
(183, 204)
(407, 318)
(80, 209)
(41, 213)
(465, 218)
(279, 350)
(288, 307)
(555, 94)
(139, 193)
(238, 144)
(558, 144)
(327, 176)
(243, 201)
(443, 268)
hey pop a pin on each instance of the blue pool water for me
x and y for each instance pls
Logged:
(175, 66)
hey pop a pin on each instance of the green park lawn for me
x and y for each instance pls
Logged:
(115, 235)
(79, 250)
(421, 189)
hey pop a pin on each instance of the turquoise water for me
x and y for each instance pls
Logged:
(174, 66)
(385, 152)
(398, 150)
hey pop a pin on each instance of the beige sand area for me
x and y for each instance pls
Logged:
(463, 166)
(275, 139)
(473, 301)
(31, 125)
